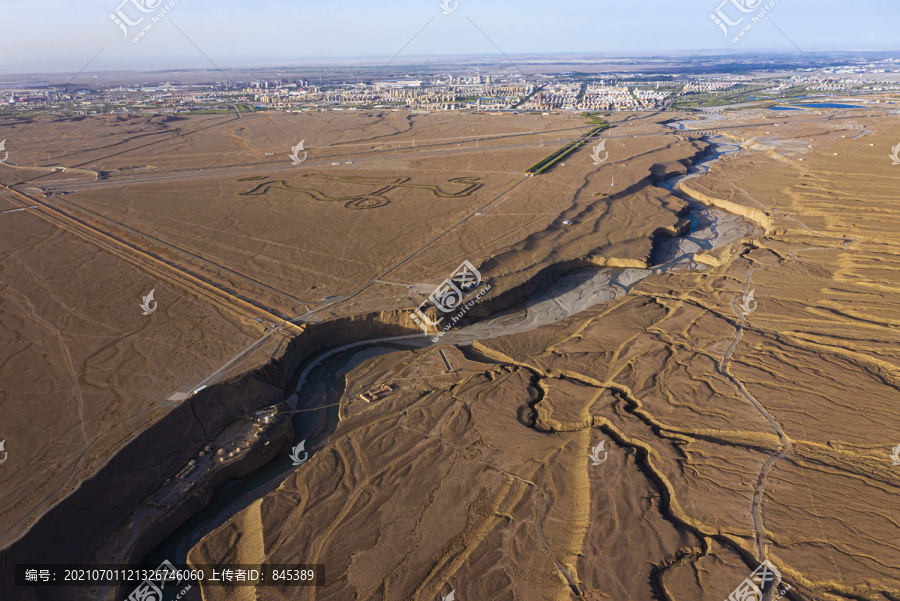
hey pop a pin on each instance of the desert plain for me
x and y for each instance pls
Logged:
(741, 403)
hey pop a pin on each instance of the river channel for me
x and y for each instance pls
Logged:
(318, 385)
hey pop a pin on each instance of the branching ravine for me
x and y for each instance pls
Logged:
(573, 583)
(669, 508)
(786, 443)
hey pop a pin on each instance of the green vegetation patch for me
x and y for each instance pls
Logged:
(563, 152)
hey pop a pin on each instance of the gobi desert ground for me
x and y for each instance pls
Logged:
(730, 338)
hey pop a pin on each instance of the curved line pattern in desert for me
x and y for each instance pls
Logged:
(532, 374)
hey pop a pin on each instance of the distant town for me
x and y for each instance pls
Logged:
(471, 91)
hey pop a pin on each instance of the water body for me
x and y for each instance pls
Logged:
(832, 105)
(318, 385)
(785, 108)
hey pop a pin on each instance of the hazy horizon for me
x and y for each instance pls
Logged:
(194, 34)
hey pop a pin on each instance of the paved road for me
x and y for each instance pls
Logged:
(283, 164)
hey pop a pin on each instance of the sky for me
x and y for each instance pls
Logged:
(62, 36)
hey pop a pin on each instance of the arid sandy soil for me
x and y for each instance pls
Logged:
(83, 368)
(170, 205)
(442, 485)
(734, 430)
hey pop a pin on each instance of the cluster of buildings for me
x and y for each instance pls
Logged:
(438, 92)
(707, 86)
(577, 96)
(844, 84)
(450, 94)
(600, 97)
(554, 97)
(433, 93)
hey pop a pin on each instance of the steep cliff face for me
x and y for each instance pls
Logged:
(103, 502)
(760, 218)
